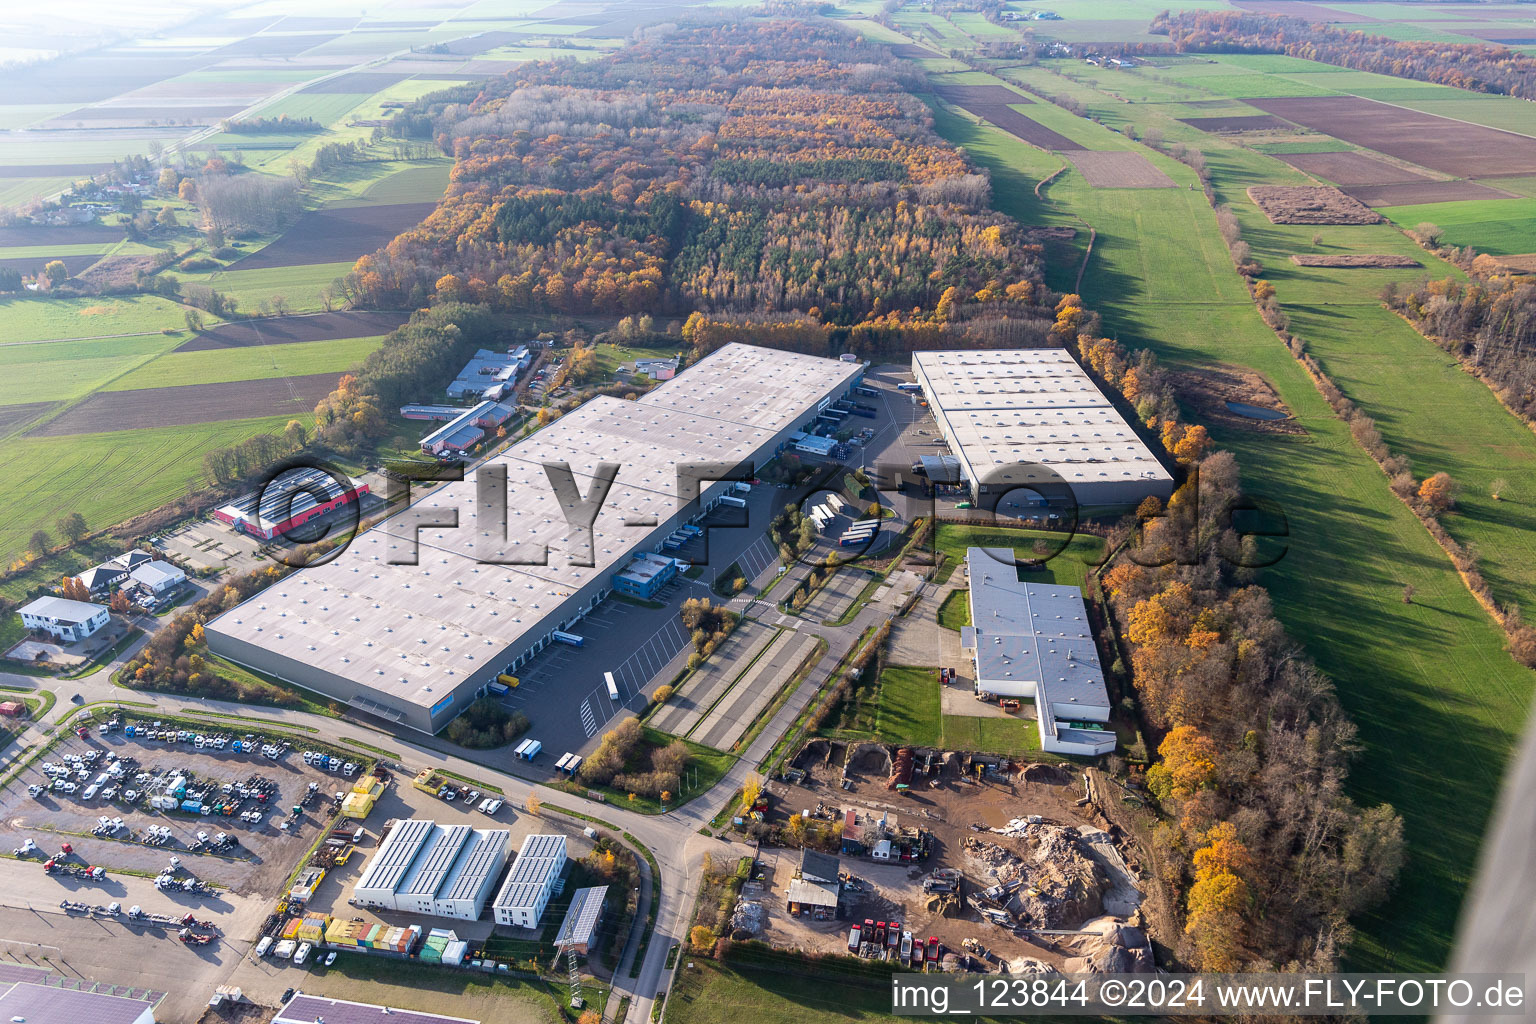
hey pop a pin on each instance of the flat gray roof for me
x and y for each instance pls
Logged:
(1006, 407)
(1032, 632)
(47, 1004)
(415, 632)
(307, 1009)
(396, 854)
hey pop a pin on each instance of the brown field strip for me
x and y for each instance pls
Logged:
(13, 416)
(1409, 193)
(111, 411)
(1350, 168)
(1019, 126)
(1439, 143)
(1118, 169)
(330, 236)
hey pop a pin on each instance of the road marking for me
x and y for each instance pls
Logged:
(588, 718)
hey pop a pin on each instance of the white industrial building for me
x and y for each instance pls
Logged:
(68, 620)
(422, 867)
(1033, 640)
(526, 892)
(27, 1001)
(1017, 418)
(416, 643)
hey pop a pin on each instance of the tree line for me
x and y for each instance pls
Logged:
(1267, 855)
(1476, 67)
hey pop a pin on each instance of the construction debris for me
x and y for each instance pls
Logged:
(1060, 886)
(747, 921)
(1114, 948)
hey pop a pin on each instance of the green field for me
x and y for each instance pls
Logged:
(1503, 227)
(300, 285)
(49, 371)
(216, 366)
(108, 477)
(1069, 567)
(53, 319)
(1161, 277)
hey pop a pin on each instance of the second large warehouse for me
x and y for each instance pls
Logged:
(1017, 418)
(412, 621)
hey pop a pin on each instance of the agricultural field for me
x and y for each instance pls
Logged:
(1161, 277)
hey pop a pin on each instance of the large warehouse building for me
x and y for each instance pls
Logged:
(422, 867)
(1033, 640)
(415, 644)
(1023, 417)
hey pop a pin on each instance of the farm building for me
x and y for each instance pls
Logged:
(50, 1004)
(526, 892)
(490, 374)
(422, 867)
(646, 573)
(1019, 419)
(288, 501)
(815, 887)
(1033, 640)
(65, 619)
(307, 1009)
(377, 632)
(466, 429)
(582, 919)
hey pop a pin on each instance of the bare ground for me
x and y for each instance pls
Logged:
(1208, 390)
(1310, 204)
(1355, 260)
(191, 403)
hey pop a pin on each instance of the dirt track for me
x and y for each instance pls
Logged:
(283, 330)
(192, 403)
(330, 236)
(1439, 143)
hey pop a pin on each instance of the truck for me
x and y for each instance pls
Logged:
(867, 411)
(742, 487)
(866, 391)
(853, 939)
(499, 689)
(733, 501)
(613, 687)
(855, 537)
(570, 639)
(909, 387)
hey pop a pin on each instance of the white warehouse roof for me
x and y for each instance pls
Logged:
(1013, 407)
(414, 633)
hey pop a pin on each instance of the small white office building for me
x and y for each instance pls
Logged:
(68, 620)
(526, 892)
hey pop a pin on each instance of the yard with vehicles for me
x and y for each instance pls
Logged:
(1164, 280)
(240, 846)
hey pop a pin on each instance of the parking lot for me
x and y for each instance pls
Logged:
(258, 861)
(563, 691)
(708, 684)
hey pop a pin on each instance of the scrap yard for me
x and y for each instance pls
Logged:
(978, 863)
